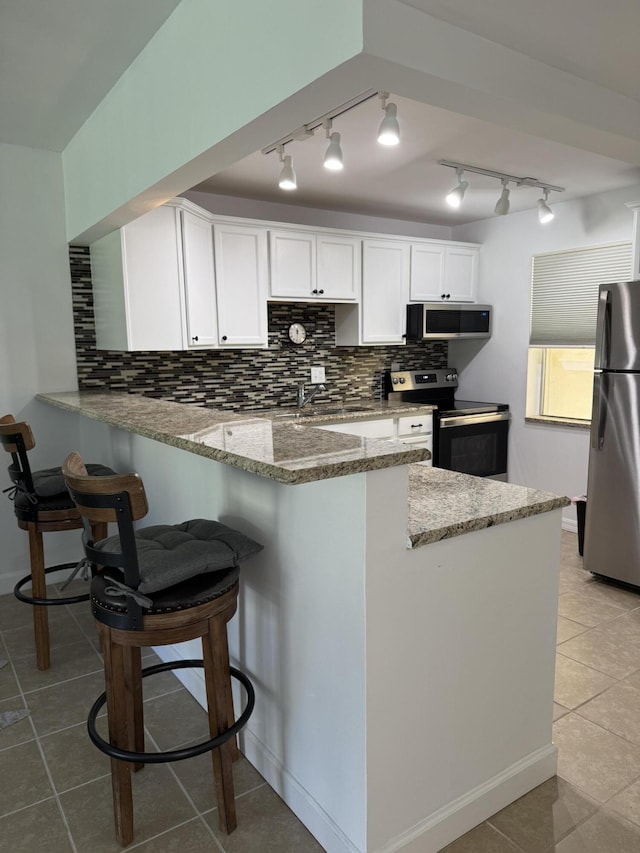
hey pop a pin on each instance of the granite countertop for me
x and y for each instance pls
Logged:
(334, 413)
(287, 450)
(443, 504)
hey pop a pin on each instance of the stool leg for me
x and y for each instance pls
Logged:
(218, 684)
(39, 590)
(117, 708)
(133, 693)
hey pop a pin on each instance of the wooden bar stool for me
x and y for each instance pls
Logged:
(42, 505)
(158, 586)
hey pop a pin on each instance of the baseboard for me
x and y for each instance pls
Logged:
(461, 815)
(300, 801)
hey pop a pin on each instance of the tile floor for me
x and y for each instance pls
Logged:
(55, 788)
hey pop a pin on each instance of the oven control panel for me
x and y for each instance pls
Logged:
(418, 380)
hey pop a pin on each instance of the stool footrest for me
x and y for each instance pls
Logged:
(49, 602)
(176, 754)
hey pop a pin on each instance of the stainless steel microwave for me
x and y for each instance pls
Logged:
(430, 321)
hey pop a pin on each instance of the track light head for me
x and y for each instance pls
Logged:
(287, 179)
(545, 214)
(389, 131)
(455, 196)
(502, 205)
(333, 157)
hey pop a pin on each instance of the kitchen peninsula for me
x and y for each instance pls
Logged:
(399, 632)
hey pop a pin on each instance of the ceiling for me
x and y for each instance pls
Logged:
(58, 60)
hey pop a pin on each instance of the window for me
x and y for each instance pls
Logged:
(564, 299)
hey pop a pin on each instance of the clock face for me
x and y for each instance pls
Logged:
(297, 333)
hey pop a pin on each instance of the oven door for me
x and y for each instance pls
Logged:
(474, 444)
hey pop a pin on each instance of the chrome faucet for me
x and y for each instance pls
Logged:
(304, 398)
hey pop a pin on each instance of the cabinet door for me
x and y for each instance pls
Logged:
(241, 284)
(338, 267)
(427, 273)
(385, 291)
(199, 282)
(382, 428)
(461, 273)
(293, 264)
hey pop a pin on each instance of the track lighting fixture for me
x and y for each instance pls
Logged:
(502, 205)
(545, 214)
(455, 196)
(333, 156)
(287, 179)
(389, 132)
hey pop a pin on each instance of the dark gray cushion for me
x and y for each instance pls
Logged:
(49, 481)
(171, 553)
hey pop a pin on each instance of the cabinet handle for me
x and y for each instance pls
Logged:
(416, 426)
(443, 296)
(448, 296)
(194, 338)
(224, 337)
(314, 291)
(321, 291)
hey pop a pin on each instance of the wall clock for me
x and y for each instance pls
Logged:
(297, 333)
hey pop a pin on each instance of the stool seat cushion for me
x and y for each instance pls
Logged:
(169, 554)
(49, 481)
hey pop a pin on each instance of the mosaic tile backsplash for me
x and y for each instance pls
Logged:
(241, 379)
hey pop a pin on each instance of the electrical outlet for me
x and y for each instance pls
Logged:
(317, 375)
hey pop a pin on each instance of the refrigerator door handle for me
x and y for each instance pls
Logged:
(598, 415)
(604, 306)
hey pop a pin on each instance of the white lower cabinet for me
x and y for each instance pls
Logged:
(416, 429)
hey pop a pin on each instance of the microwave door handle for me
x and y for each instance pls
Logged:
(599, 413)
(604, 308)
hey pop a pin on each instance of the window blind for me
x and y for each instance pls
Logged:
(564, 292)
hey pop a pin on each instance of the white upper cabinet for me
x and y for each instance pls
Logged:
(443, 273)
(137, 296)
(199, 282)
(306, 266)
(241, 276)
(380, 318)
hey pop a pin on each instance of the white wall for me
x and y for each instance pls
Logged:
(36, 328)
(541, 456)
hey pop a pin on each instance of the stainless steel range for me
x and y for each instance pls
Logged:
(468, 436)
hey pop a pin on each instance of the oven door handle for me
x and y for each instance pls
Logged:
(467, 420)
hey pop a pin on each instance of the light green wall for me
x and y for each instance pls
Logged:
(211, 69)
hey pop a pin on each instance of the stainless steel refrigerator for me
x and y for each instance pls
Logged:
(612, 529)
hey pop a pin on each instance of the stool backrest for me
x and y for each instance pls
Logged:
(17, 438)
(120, 499)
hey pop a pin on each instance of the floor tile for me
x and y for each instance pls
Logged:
(62, 705)
(8, 684)
(605, 832)
(37, 829)
(196, 776)
(24, 779)
(66, 662)
(568, 629)
(617, 710)
(264, 824)
(575, 683)
(62, 631)
(604, 649)
(192, 837)
(14, 613)
(482, 839)
(598, 762)
(543, 816)
(158, 805)
(586, 610)
(175, 719)
(559, 711)
(18, 732)
(633, 679)
(72, 758)
(627, 803)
